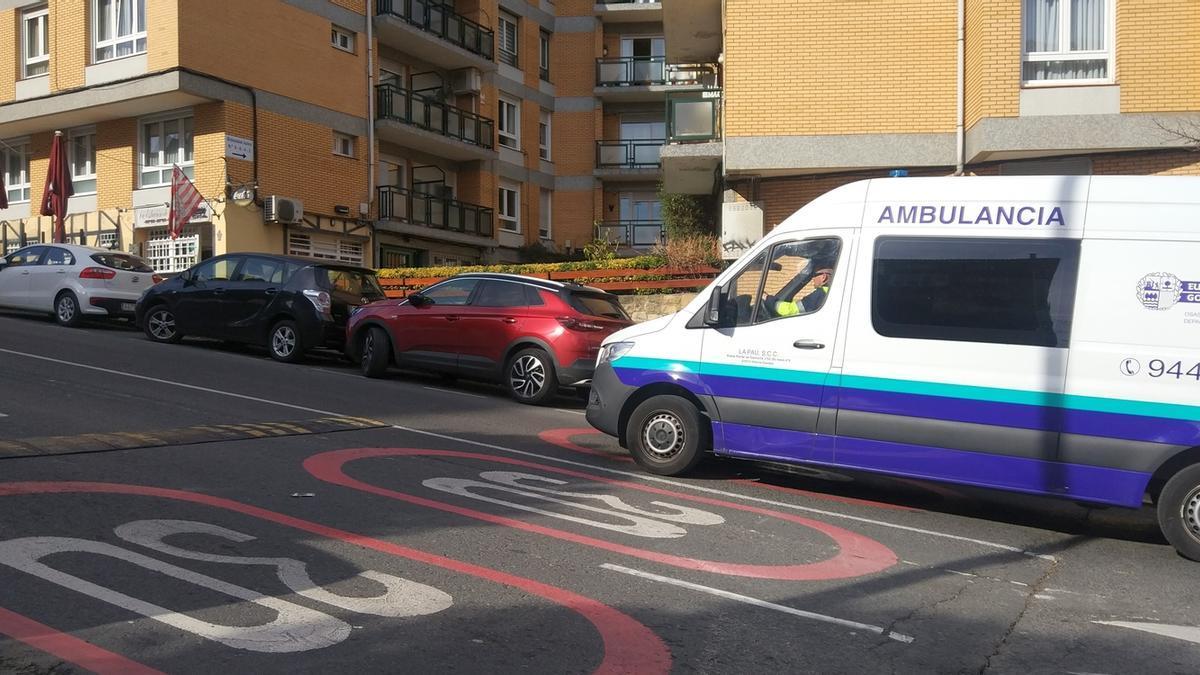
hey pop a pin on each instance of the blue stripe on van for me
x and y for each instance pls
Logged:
(1112, 418)
(1022, 474)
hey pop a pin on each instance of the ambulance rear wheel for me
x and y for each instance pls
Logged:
(1179, 512)
(667, 435)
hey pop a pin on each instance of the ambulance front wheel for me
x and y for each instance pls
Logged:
(1179, 512)
(667, 435)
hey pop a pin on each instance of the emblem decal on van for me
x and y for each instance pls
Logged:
(1162, 290)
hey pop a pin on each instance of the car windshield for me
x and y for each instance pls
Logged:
(123, 261)
(350, 282)
(600, 305)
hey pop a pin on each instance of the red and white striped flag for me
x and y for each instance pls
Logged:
(185, 201)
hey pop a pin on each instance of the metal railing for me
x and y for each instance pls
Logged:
(628, 2)
(640, 153)
(432, 16)
(625, 71)
(402, 105)
(632, 232)
(693, 116)
(441, 213)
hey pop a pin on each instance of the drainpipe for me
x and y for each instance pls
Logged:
(960, 144)
(370, 104)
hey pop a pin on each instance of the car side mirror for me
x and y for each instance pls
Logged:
(715, 314)
(420, 301)
(3, 263)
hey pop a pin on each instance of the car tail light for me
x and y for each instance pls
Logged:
(320, 300)
(578, 324)
(157, 278)
(97, 273)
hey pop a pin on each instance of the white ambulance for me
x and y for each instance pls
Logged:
(1034, 334)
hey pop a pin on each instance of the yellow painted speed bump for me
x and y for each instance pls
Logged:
(208, 433)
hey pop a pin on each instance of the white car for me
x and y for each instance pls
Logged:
(71, 281)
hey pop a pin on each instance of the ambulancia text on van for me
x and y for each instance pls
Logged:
(1034, 334)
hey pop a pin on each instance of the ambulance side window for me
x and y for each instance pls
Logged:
(798, 279)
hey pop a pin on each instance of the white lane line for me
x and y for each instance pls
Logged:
(734, 495)
(573, 412)
(193, 387)
(1186, 633)
(592, 467)
(878, 630)
(3, 415)
(451, 391)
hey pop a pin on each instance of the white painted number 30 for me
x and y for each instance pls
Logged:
(296, 628)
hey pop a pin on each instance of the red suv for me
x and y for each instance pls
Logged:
(531, 335)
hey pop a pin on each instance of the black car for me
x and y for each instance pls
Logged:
(288, 304)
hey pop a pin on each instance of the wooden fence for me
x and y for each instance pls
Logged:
(612, 280)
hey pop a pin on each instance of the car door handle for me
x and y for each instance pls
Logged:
(508, 319)
(218, 291)
(807, 344)
(270, 291)
(61, 272)
(25, 273)
(452, 318)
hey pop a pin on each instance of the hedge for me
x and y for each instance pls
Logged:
(644, 262)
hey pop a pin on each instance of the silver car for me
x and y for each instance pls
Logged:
(71, 282)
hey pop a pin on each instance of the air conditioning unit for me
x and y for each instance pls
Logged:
(466, 81)
(283, 210)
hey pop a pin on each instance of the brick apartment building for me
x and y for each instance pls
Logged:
(425, 132)
(817, 94)
(382, 132)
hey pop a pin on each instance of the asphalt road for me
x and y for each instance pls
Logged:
(261, 517)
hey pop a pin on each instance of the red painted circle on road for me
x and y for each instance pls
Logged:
(629, 646)
(857, 555)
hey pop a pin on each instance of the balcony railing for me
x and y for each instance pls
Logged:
(629, 154)
(693, 116)
(628, 2)
(428, 113)
(409, 206)
(432, 16)
(628, 71)
(632, 232)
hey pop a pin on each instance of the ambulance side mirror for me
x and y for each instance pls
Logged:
(716, 314)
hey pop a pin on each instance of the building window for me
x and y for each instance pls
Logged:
(508, 38)
(1067, 41)
(544, 215)
(35, 42)
(15, 160)
(172, 255)
(509, 126)
(325, 247)
(510, 207)
(342, 39)
(166, 142)
(118, 28)
(1000, 291)
(343, 144)
(544, 136)
(82, 149)
(544, 56)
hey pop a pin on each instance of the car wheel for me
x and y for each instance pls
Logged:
(667, 435)
(66, 310)
(284, 342)
(529, 376)
(375, 355)
(1179, 512)
(160, 325)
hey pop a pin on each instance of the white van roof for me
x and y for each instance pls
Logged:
(1147, 207)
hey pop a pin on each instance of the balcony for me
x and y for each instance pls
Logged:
(424, 123)
(629, 11)
(632, 233)
(409, 212)
(693, 155)
(647, 78)
(629, 159)
(431, 30)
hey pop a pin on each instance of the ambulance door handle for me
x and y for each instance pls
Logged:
(807, 344)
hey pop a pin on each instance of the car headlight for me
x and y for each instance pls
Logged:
(612, 351)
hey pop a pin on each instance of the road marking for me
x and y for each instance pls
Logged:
(1186, 633)
(68, 647)
(573, 412)
(3, 415)
(451, 391)
(628, 474)
(723, 493)
(878, 630)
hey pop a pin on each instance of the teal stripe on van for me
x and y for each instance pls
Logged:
(961, 391)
